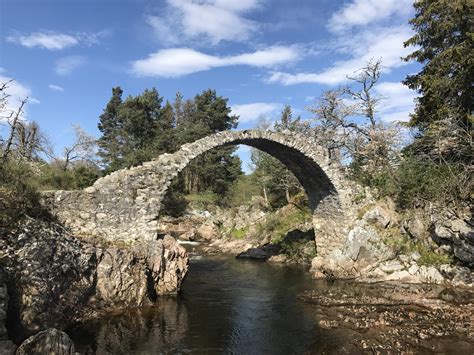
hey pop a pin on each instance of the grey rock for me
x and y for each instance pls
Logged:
(391, 266)
(7, 347)
(448, 229)
(50, 341)
(56, 279)
(382, 214)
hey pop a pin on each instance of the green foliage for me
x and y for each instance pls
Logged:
(139, 128)
(239, 233)
(174, 201)
(405, 245)
(18, 195)
(53, 177)
(203, 199)
(421, 180)
(300, 251)
(279, 224)
(444, 112)
(278, 184)
(444, 41)
(384, 179)
(243, 189)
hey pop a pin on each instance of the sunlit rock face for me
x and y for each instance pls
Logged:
(55, 279)
(125, 205)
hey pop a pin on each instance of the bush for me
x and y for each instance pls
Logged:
(405, 245)
(18, 196)
(422, 180)
(279, 224)
(174, 203)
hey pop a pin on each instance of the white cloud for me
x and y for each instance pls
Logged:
(385, 43)
(56, 87)
(397, 102)
(215, 20)
(17, 92)
(66, 65)
(251, 112)
(177, 62)
(365, 12)
(55, 40)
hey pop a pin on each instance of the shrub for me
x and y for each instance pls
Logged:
(422, 180)
(18, 196)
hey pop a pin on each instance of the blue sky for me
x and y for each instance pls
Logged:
(261, 54)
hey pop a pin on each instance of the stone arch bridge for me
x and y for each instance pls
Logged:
(125, 205)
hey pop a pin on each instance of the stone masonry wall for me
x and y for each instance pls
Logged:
(125, 204)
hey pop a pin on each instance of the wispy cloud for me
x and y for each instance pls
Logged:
(66, 65)
(177, 62)
(397, 102)
(56, 87)
(208, 20)
(17, 92)
(385, 43)
(52, 40)
(253, 111)
(365, 12)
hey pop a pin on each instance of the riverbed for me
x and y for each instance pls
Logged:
(236, 306)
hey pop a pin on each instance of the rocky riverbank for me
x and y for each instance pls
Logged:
(417, 246)
(394, 318)
(55, 279)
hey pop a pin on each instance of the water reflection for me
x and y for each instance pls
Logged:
(226, 306)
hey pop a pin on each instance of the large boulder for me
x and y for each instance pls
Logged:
(383, 214)
(55, 278)
(50, 341)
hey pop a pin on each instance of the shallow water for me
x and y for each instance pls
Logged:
(226, 306)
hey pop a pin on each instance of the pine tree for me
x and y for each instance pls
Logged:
(110, 126)
(443, 115)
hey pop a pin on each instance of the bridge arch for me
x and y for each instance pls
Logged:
(126, 204)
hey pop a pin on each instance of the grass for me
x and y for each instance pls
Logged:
(279, 224)
(203, 199)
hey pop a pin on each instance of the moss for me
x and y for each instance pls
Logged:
(239, 233)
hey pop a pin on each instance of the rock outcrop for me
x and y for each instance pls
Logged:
(55, 278)
(383, 246)
(456, 233)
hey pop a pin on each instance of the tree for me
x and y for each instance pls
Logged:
(215, 170)
(354, 132)
(110, 126)
(82, 149)
(275, 179)
(443, 114)
(178, 109)
(130, 128)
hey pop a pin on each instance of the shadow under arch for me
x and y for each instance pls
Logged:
(125, 205)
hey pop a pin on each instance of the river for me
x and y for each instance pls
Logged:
(226, 305)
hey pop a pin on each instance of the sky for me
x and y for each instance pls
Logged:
(66, 56)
